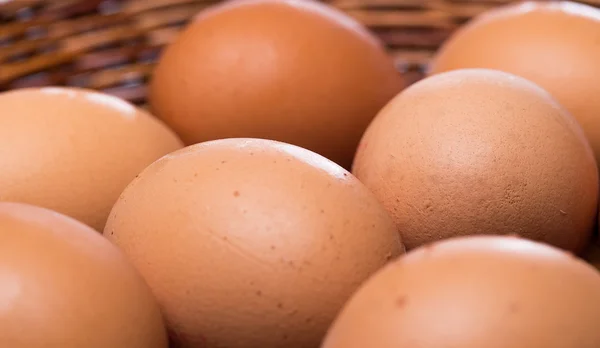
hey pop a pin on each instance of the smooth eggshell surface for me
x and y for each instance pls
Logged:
(554, 44)
(251, 243)
(294, 71)
(73, 150)
(481, 152)
(474, 292)
(62, 285)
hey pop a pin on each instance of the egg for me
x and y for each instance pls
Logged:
(75, 150)
(65, 286)
(480, 151)
(251, 243)
(554, 44)
(473, 292)
(299, 72)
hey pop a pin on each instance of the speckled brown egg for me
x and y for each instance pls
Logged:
(481, 152)
(294, 71)
(64, 286)
(73, 150)
(554, 44)
(251, 243)
(473, 292)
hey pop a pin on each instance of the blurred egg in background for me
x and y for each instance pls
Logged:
(294, 71)
(552, 43)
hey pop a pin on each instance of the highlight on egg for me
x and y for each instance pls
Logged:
(479, 151)
(250, 242)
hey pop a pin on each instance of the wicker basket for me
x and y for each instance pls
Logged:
(111, 45)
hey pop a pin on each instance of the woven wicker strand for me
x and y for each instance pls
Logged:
(112, 45)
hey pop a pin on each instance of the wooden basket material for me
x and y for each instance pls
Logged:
(112, 45)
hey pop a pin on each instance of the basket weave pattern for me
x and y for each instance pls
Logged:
(112, 45)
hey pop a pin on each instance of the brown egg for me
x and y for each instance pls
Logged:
(481, 151)
(474, 292)
(74, 151)
(554, 44)
(251, 243)
(64, 286)
(295, 71)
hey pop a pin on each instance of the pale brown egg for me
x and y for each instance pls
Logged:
(294, 71)
(481, 152)
(474, 292)
(554, 44)
(62, 285)
(251, 243)
(73, 150)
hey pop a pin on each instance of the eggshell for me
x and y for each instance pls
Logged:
(554, 44)
(73, 150)
(64, 286)
(473, 292)
(251, 243)
(481, 152)
(295, 71)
